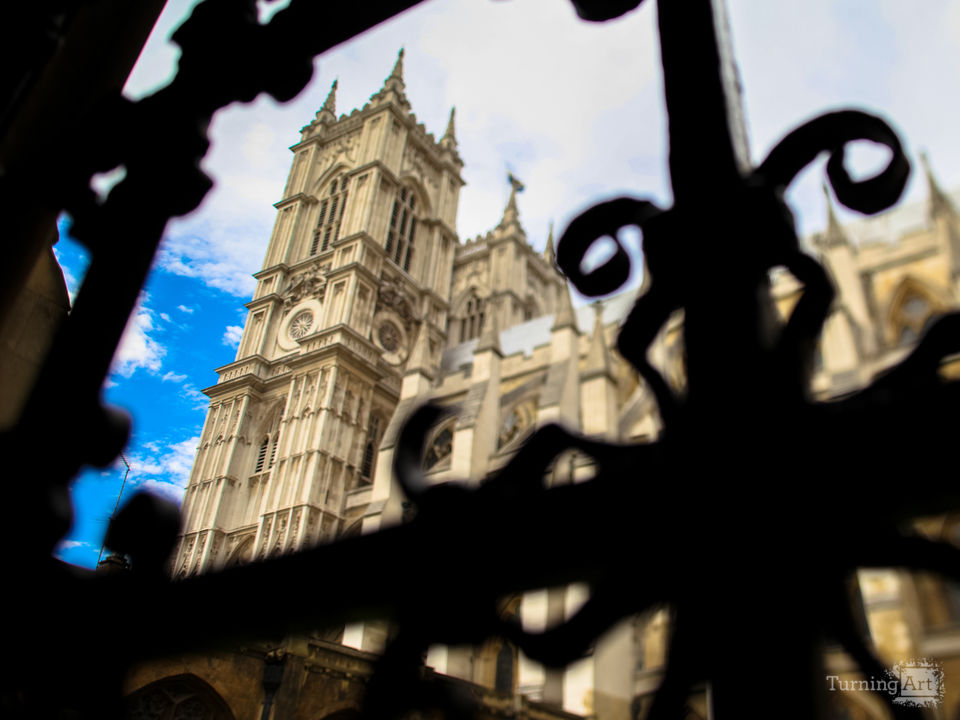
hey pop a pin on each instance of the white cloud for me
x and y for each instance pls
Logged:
(163, 468)
(71, 544)
(256, 143)
(137, 349)
(169, 490)
(232, 335)
(199, 400)
(574, 108)
(219, 251)
(187, 310)
(164, 317)
(171, 376)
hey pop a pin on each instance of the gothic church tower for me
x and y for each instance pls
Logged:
(357, 273)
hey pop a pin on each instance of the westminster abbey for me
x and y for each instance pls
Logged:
(368, 303)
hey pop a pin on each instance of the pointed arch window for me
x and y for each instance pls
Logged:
(261, 455)
(370, 449)
(471, 324)
(912, 315)
(331, 214)
(267, 450)
(440, 449)
(403, 227)
(273, 450)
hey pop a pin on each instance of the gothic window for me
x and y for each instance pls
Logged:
(184, 697)
(402, 231)
(261, 455)
(503, 679)
(914, 316)
(331, 213)
(370, 449)
(913, 308)
(471, 323)
(273, 450)
(516, 423)
(267, 450)
(441, 448)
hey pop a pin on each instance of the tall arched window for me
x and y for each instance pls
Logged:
(913, 316)
(331, 213)
(403, 227)
(261, 455)
(182, 696)
(370, 449)
(471, 323)
(440, 449)
(267, 450)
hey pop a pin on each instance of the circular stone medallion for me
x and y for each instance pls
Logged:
(301, 324)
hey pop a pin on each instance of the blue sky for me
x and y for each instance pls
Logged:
(575, 110)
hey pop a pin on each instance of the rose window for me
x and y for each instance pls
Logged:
(389, 337)
(300, 325)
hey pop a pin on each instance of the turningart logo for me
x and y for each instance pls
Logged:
(912, 683)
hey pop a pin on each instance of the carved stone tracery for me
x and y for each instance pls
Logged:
(310, 284)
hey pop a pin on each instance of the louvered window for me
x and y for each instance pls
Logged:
(330, 216)
(403, 228)
(262, 455)
(370, 450)
(471, 324)
(273, 450)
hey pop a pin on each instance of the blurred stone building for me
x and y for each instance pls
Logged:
(368, 304)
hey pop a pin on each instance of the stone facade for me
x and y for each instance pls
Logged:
(368, 304)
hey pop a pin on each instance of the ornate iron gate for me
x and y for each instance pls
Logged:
(746, 410)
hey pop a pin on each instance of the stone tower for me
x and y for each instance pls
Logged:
(499, 272)
(357, 272)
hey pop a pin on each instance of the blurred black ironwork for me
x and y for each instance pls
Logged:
(747, 516)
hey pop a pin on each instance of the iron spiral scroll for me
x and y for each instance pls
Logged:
(747, 516)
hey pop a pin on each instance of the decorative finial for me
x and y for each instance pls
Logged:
(550, 252)
(450, 130)
(515, 187)
(449, 140)
(393, 87)
(330, 104)
(511, 215)
(397, 71)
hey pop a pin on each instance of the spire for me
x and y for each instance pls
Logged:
(598, 356)
(939, 202)
(397, 72)
(565, 316)
(834, 234)
(449, 139)
(450, 130)
(490, 337)
(393, 86)
(328, 113)
(549, 252)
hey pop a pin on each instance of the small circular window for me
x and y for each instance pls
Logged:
(389, 336)
(301, 324)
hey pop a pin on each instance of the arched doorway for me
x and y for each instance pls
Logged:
(182, 697)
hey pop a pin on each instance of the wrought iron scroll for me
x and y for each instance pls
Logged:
(691, 533)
